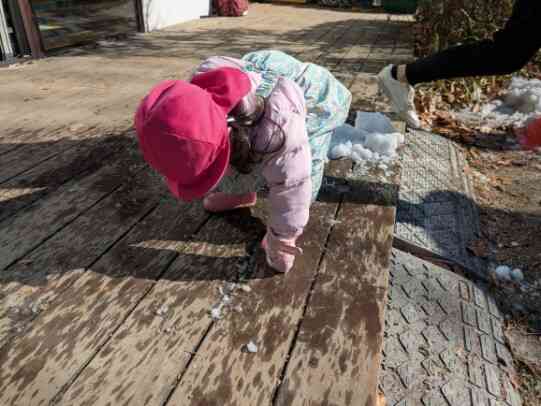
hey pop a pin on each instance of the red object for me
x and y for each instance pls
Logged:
(182, 129)
(231, 8)
(530, 136)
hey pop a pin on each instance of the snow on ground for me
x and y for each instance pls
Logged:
(372, 144)
(372, 139)
(519, 104)
(505, 274)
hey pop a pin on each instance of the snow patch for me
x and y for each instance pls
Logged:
(518, 105)
(372, 139)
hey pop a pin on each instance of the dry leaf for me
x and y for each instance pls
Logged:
(479, 248)
(381, 400)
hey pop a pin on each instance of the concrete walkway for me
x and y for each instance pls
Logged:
(101, 85)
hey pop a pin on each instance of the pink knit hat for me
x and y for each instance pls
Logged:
(182, 129)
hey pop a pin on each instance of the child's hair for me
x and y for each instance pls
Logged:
(247, 148)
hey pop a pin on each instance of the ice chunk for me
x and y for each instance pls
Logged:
(246, 288)
(372, 139)
(341, 141)
(517, 275)
(251, 347)
(226, 299)
(503, 272)
(216, 312)
(162, 311)
(340, 151)
(382, 144)
(360, 153)
(333, 222)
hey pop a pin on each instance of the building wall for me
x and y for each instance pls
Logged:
(163, 13)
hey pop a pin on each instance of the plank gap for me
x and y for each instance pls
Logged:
(188, 363)
(34, 164)
(276, 393)
(85, 268)
(120, 185)
(58, 397)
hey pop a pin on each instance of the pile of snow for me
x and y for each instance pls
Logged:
(504, 273)
(520, 103)
(372, 139)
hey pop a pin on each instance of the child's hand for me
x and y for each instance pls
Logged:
(280, 252)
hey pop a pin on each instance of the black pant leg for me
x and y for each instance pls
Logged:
(509, 50)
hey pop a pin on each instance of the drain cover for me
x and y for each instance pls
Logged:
(436, 209)
(444, 342)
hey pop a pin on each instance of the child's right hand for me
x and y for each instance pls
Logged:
(280, 252)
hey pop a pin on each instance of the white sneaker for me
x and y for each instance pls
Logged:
(401, 96)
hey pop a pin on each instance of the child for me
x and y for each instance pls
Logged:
(281, 114)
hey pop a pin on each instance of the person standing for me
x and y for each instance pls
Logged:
(508, 51)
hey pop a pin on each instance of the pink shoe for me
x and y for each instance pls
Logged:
(280, 253)
(218, 202)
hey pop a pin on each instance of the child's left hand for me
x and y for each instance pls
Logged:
(280, 252)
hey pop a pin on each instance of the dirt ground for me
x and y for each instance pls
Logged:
(507, 184)
(508, 189)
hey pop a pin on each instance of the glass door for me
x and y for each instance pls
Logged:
(68, 22)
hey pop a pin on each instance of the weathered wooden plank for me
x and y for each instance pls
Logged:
(21, 137)
(30, 227)
(28, 285)
(21, 159)
(143, 361)
(336, 359)
(73, 164)
(15, 138)
(61, 341)
(225, 373)
(38, 147)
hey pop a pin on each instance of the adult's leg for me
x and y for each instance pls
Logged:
(509, 50)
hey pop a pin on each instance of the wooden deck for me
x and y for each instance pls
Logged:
(107, 283)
